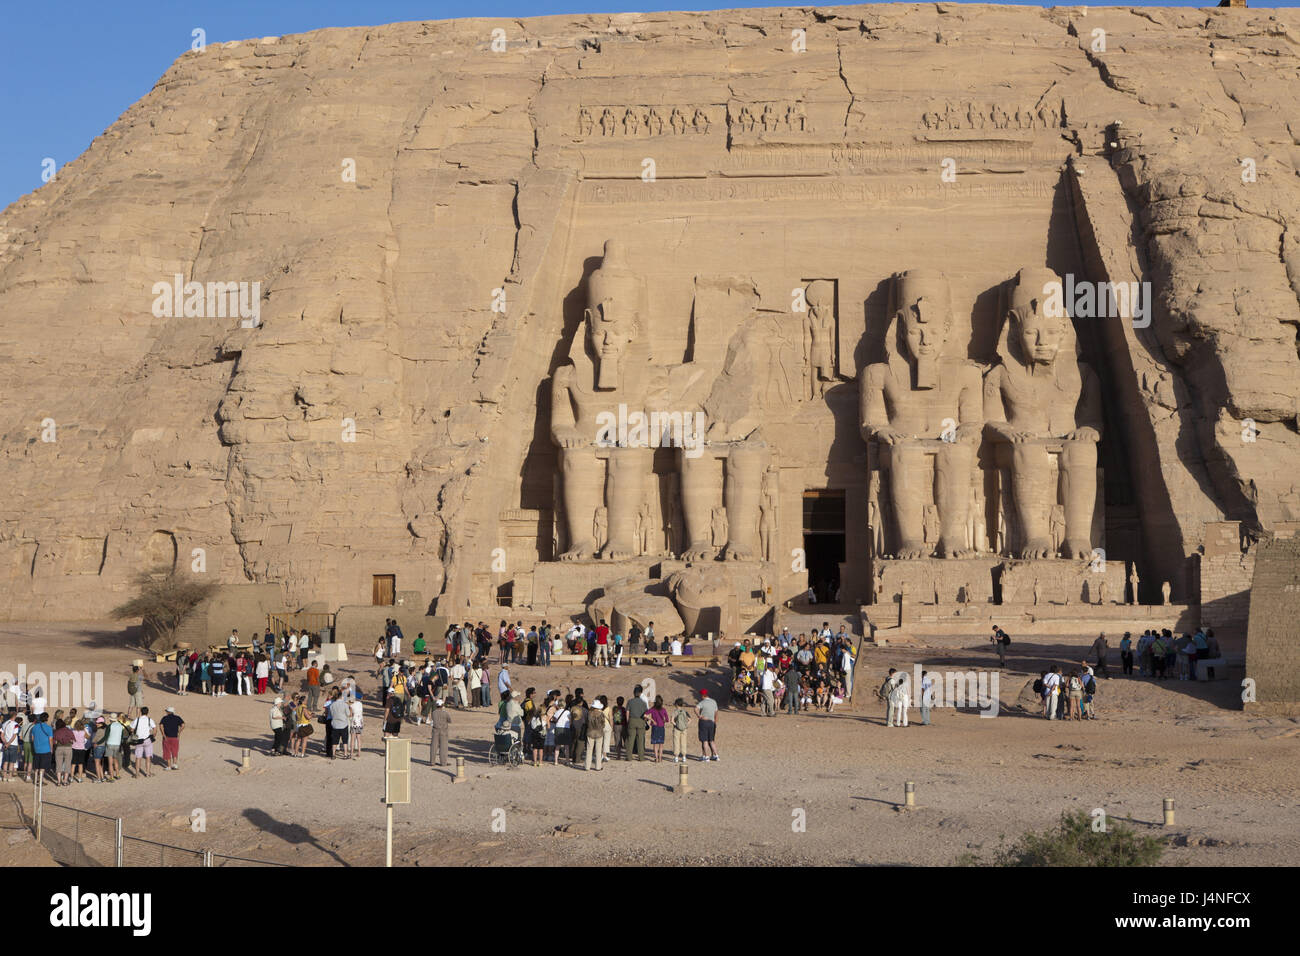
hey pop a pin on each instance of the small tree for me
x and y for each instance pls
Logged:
(164, 600)
(1073, 842)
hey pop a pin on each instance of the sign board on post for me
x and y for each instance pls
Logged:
(397, 770)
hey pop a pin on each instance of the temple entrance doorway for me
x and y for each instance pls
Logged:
(823, 541)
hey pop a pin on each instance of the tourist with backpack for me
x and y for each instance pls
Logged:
(681, 723)
(595, 734)
(1089, 693)
(1000, 643)
(1074, 696)
(143, 731)
(1158, 657)
(578, 711)
(135, 690)
(1051, 691)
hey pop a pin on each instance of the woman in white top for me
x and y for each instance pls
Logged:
(358, 720)
(475, 682)
(562, 730)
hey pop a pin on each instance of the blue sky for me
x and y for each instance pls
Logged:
(68, 70)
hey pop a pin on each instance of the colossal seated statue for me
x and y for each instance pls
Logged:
(1040, 400)
(609, 365)
(924, 402)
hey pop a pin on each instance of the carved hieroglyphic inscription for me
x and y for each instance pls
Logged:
(633, 122)
(984, 116)
(768, 118)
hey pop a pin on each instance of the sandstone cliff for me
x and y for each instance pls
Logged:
(415, 301)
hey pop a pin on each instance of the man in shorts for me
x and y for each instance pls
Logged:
(113, 746)
(135, 690)
(172, 726)
(10, 745)
(707, 711)
(142, 730)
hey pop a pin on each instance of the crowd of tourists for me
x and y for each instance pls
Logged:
(793, 673)
(783, 672)
(571, 728)
(341, 715)
(71, 746)
(1161, 655)
(257, 670)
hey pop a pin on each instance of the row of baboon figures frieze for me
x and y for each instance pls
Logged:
(926, 411)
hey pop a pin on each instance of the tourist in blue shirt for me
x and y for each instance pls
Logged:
(42, 749)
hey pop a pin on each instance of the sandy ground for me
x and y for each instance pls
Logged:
(1234, 776)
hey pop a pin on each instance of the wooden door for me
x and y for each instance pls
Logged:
(384, 589)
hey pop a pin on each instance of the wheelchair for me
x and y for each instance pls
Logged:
(506, 749)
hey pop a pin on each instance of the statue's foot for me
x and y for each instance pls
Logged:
(616, 554)
(699, 553)
(1076, 548)
(910, 550)
(733, 553)
(581, 553)
(1037, 548)
(946, 550)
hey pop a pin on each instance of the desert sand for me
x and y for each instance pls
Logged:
(1233, 776)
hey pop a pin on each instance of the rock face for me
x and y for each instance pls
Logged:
(393, 232)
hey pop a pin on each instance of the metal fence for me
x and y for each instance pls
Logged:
(138, 852)
(80, 838)
(77, 837)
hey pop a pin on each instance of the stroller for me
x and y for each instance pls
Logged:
(505, 748)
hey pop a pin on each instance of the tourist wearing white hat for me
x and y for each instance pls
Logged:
(440, 724)
(171, 726)
(595, 734)
(279, 732)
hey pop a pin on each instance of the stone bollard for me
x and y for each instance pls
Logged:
(1169, 811)
(909, 794)
(245, 755)
(460, 771)
(683, 782)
